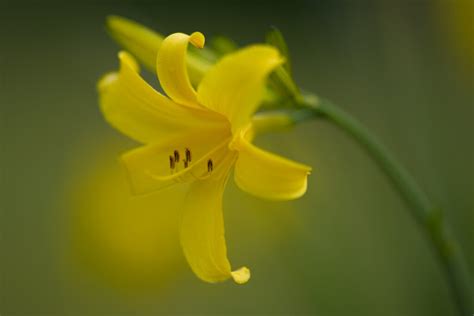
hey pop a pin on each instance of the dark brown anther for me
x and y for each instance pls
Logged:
(172, 162)
(210, 166)
(176, 155)
(188, 155)
(186, 163)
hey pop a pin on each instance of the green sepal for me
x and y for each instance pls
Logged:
(281, 80)
(275, 38)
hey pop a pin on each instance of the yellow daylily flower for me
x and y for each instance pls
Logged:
(197, 137)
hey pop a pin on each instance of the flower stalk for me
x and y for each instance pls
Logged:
(429, 217)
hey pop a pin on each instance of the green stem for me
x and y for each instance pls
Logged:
(428, 217)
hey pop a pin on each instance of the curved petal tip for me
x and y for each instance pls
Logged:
(126, 58)
(197, 39)
(241, 276)
(105, 81)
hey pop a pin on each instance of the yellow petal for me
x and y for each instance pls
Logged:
(149, 167)
(132, 106)
(144, 44)
(266, 175)
(171, 67)
(270, 121)
(202, 233)
(235, 86)
(139, 40)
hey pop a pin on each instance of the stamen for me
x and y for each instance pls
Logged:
(210, 166)
(176, 155)
(188, 155)
(172, 163)
(179, 176)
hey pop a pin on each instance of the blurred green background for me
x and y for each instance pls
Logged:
(348, 247)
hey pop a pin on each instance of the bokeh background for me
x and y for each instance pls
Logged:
(73, 241)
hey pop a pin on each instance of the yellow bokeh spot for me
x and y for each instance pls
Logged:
(125, 241)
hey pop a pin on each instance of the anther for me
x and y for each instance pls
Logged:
(176, 155)
(186, 163)
(172, 162)
(188, 155)
(210, 166)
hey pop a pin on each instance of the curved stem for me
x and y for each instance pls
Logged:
(428, 217)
